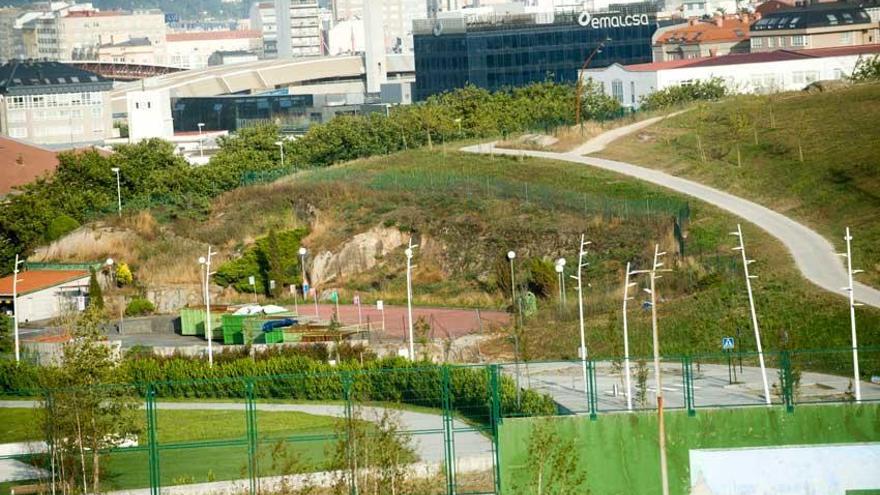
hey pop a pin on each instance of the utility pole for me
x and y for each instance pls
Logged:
(582, 251)
(209, 333)
(852, 314)
(409, 267)
(658, 382)
(118, 192)
(746, 262)
(626, 370)
(15, 282)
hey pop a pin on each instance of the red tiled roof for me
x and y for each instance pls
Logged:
(32, 281)
(214, 35)
(755, 58)
(732, 29)
(22, 163)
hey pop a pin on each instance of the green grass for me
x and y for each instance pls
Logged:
(619, 452)
(815, 158)
(19, 425)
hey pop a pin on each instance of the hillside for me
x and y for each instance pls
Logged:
(467, 211)
(811, 156)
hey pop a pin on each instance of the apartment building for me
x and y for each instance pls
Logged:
(192, 50)
(397, 19)
(10, 41)
(51, 103)
(697, 38)
(814, 26)
(298, 34)
(81, 33)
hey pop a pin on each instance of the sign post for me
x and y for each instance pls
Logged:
(357, 301)
(727, 345)
(380, 305)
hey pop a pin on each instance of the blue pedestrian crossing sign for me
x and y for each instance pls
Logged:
(727, 343)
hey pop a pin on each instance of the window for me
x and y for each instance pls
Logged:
(771, 42)
(16, 117)
(832, 19)
(617, 90)
(846, 38)
(632, 92)
(799, 41)
(804, 77)
(757, 42)
(18, 132)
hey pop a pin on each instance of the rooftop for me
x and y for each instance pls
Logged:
(753, 58)
(812, 16)
(36, 280)
(30, 74)
(129, 42)
(23, 163)
(730, 28)
(214, 35)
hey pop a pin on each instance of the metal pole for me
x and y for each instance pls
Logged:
(626, 369)
(664, 472)
(118, 194)
(15, 307)
(580, 289)
(852, 316)
(209, 334)
(409, 255)
(746, 262)
(511, 255)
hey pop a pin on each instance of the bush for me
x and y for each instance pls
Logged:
(867, 69)
(123, 275)
(544, 279)
(255, 261)
(711, 89)
(60, 226)
(139, 306)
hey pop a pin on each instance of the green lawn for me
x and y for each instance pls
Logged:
(815, 158)
(19, 424)
(619, 452)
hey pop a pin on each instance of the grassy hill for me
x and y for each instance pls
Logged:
(811, 156)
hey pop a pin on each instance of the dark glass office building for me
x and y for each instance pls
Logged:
(513, 50)
(235, 112)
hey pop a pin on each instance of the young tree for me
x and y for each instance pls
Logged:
(276, 264)
(552, 463)
(84, 415)
(96, 294)
(123, 275)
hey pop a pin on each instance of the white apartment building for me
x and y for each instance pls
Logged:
(782, 70)
(296, 35)
(397, 17)
(52, 103)
(80, 33)
(191, 50)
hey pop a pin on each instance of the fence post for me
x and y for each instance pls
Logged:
(448, 433)
(495, 413)
(591, 392)
(251, 418)
(787, 382)
(349, 421)
(687, 369)
(153, 441)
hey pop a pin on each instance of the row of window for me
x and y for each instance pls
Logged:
(75, 130)
(797, 41)
(59, 100)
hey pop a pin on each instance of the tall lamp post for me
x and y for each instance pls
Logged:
(626, 370)
(305, 285)
(281, 148)
(409, 255)
(559, 278)
(579, 88)
(852, 314)
(15, 282)
(746, 262)
(582, 252)
(118, 192)
(511, 255)
(205, 261)
(201, 147)
(655, 267)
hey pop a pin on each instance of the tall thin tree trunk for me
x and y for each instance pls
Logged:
(82, 454)
(700, 146)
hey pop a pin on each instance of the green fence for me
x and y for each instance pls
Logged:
(426, 429)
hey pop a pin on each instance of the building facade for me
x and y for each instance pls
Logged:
(82, 32)
(698, 38)
(298, 34)
(130, 51)
(52, 103)
(768, 72)
(192, 50)
(397, 19)
(494, 52)
(10, 38)
(44, 294)
(814, 26)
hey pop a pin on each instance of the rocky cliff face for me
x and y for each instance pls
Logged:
(362, 252)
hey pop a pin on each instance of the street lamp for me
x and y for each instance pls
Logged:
(118, 191)
(746, 262)
(852, 313)
(559, 277)
(209, 334)
(110, 272)
(201, 150)
(582, 251)
(305, 286)
(626, 285)
(579, 89)
(409, 255)
(561, 262)
(511, 255)
(15, 282)
(281, 148)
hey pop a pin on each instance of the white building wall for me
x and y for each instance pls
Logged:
(149, 115)
(47, 303)
(57, 118)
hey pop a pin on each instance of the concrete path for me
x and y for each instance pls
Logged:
(815, 257)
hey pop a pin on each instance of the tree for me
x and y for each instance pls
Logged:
(867, 69)
(84, 416)
(552, 467)
(275, 264)
(96, 295)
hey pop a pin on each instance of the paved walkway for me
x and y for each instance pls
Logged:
(815, 257)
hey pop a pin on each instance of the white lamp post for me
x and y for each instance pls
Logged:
(511, 255)
(561, 262)
(281, 148)
(118, 191)
(206, 262)
(582, 251)
(409, 255)
(746, 262)
(626, 285)
(305, 286)
(852, 314)
(15, 282)
(201, 150)
(559, 278)
(110, 271)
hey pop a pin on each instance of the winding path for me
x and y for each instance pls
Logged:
(815, 257)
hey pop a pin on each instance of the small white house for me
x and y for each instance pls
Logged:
(44, 294)
(781, 70)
